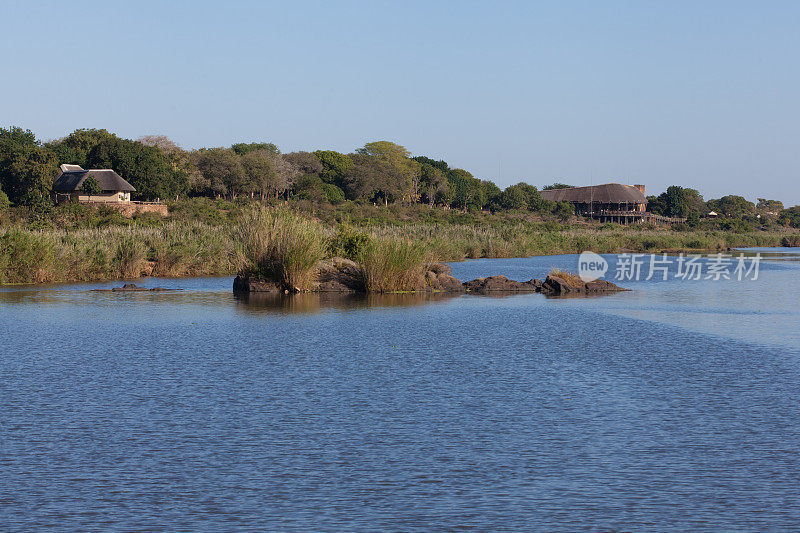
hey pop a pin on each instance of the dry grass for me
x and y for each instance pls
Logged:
(569, 277)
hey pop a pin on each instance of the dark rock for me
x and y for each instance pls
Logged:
(501, 284)
(601, 285)
(244, 283)
(129, 287)
(340, 275)
(558, 285)
(438, 278)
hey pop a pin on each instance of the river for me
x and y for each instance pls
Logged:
(669, 407)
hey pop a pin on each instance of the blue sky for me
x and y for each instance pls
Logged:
(700, 93)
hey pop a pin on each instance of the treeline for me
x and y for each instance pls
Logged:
(380, 173)
(734, 212)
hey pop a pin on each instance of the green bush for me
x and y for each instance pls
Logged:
(348, 242)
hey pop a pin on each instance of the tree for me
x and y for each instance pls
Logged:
(468, 192)
(309, 187)
(259, 170)
(91, 187)
(772, 207)
(564, 210)
(790, 217)
(335, 167)
(304, 163)
(677, 202)
(152, 172)
(393, 173)
(246, 148)
(557, 186)
(432, 182)
(75, 147)
(333, 194)
(491, 193)
(286, 173)
(522, 196)
(441, 165)
(221, 169)
(732, 206)
(27, 168)
(163, 143)
(514, 198)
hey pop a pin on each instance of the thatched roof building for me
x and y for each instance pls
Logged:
(596, 198)
(68, 184)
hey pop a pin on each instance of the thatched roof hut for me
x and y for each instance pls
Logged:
(608, 193)
(73, 176)
(67, 185)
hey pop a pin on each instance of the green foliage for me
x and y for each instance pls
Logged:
(732, 206)
(467, 191)
(75, 148)
(678, 202)
(309, 187)
(557, 186)
(335, 167)
(27, 169)
(769, 206)
(348, 242)
(790, 217)
(564, 210)
(440, 165)
(381, 172)
(246, 148)
(333, 194)
(259, 177)
(90, 186)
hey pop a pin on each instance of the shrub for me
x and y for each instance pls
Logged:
(791, 241)
(348, 242)
(281, 246)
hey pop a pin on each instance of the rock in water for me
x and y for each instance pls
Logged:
(556, 285)
(438, 278)
(244, 283)
(501, 284)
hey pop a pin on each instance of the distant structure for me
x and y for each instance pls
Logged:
(610, 202)
(68, 185)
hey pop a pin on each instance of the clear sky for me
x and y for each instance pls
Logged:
(698, 93)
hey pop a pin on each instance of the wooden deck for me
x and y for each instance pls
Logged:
(632, 217)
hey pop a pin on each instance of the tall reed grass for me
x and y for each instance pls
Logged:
(114, 252)
(282, 246)
(393, 265)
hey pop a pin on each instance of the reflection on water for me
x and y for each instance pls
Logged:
(313, 302)
(673, 406)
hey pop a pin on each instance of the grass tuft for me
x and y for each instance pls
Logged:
(569, 277)
(393, 265)
(282, 246)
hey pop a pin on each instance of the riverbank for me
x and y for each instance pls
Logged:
(185, 248)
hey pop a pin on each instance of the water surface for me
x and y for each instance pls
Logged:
(669, 407)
